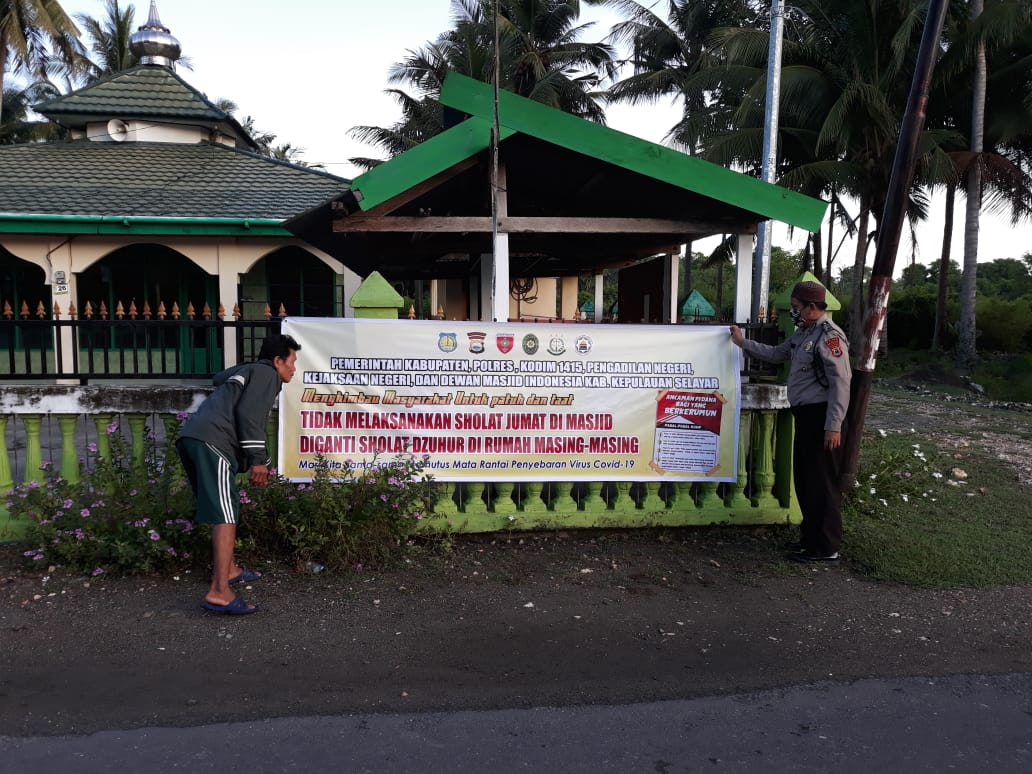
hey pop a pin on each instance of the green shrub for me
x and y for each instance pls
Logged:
(345, 519)
(1006, 377)
(121, 518)
(127, 518)
(1003, 326)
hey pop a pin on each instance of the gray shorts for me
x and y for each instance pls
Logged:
(212, 477)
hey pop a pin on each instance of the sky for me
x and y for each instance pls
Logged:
(309, 70)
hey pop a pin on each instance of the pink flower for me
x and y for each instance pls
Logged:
(85, 512)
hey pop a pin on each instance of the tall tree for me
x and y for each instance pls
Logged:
(540, 57)
(844, 83)
(16, 125)
(673, 57)
(109, 39)
(966, 349)
(992, 63)
(38, 39)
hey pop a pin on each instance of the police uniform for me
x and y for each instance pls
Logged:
(818, 392)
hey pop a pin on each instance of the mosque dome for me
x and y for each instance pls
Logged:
(153, 44)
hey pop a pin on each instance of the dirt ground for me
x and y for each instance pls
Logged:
(501, 621)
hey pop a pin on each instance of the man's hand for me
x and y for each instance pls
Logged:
(832, 440)
(736, 335)
(259, 475)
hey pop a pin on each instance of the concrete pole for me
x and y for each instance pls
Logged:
(761, 267)
(743, 264)
(500, 264)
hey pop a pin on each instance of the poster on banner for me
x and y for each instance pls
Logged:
(486, 401)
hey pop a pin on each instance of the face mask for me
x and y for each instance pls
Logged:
(796, 314)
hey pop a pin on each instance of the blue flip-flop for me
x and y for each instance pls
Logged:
(246, 576)
(237, 607)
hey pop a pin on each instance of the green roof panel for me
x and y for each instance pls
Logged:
(657, 161)
(423, 161)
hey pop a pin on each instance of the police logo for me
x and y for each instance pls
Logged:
(504, 342)
(447, 342)
(556, 345)
(808, 346)
(582, 344)
(834, 345)
(531, 344)
(476, 342)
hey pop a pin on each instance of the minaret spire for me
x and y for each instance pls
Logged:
(153, 43)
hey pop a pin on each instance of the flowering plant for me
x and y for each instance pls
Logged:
(136, 515)
(346, 518)
(125, 516)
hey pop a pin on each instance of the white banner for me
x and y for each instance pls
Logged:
(514, 401)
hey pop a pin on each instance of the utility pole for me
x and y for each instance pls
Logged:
(761, 263)
(889, 232)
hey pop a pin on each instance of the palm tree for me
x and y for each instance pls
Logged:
(39, 39)
(109, 39)
(993, 62)
(844, 84)
(540, 57)
(265, 140)
(16, 126)
(673, 58)
(1006, 176)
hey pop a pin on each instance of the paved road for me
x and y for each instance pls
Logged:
(949, 724)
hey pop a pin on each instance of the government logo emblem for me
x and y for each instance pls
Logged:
(582, 344)
(531, 344)
(447, 342)
(504, 342)
(476, 342)
(556, 345)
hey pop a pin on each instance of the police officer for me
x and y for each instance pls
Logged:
(818, 392)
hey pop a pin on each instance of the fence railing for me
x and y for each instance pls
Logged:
(177, 349)
(48, 427)
(124, 349)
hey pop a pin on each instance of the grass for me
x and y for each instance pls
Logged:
(914, 519)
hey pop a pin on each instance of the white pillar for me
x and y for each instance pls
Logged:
(569, 309)
(500, 273)
(743, 278)
(435, 297)
(598, 297)
(349, 282)
(63, 289)
(670, 265)
(228, 282)
(475, 292)
(486, 289)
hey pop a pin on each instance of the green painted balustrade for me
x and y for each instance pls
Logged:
(51, 425)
